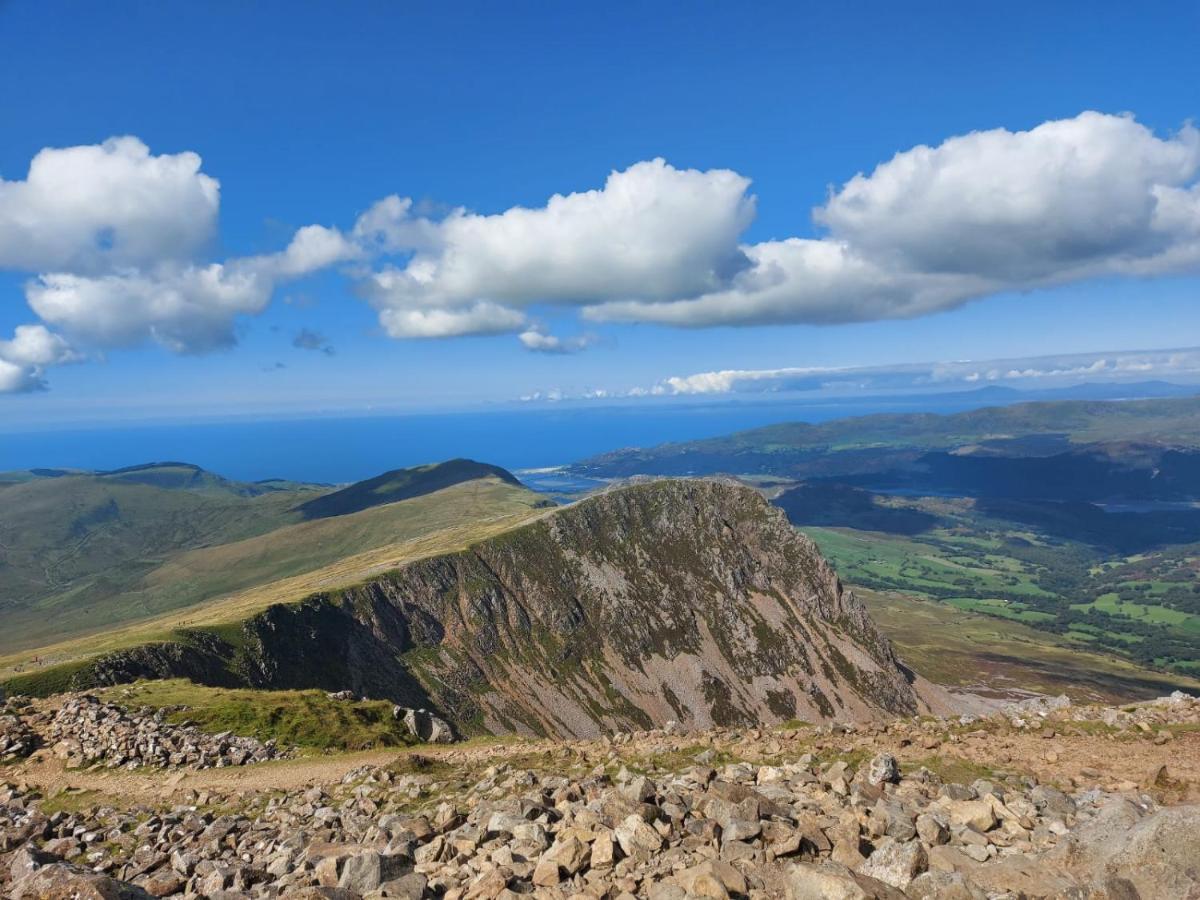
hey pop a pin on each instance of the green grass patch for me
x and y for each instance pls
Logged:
(952, 769)
(1111, 604)
(308, 719)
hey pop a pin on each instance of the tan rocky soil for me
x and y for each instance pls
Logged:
(1042, 800)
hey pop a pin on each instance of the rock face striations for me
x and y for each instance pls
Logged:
(687, 601)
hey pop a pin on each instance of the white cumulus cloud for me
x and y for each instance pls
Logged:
(1095, 193)
(187, 308)
(25, 357)
(652, 231)
(928, 230)
(116, 242)
(1122, 366)
(115, 238)
(110, 204)
(482, 317)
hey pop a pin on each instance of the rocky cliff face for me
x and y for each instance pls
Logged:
(692, 601)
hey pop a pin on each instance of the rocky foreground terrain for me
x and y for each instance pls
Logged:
(1041, 799)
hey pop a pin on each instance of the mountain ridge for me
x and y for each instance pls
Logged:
(682, 600)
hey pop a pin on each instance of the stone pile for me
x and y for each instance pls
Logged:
(17, 739)
(832, 811)
(86, 731)
(1157, 718)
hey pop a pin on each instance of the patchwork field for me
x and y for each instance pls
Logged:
(1145, 606)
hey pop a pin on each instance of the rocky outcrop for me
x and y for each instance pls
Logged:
(17, 739)
(86, 731)
(421, 724)
(685, 600)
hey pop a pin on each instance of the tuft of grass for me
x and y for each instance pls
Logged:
(73, 801)
(952, 769)
(307, 719)
(793, 725)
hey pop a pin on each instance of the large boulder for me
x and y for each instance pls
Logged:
(63, 881)
(424, 725)
(831, 881)
(1160, 856)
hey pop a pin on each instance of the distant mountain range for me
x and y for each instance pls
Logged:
(875, 443)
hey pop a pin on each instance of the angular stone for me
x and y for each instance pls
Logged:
(367, 871)
(895, 863)
(977, 814)
(603, 853)
(713, 878)
(933, 829)
(63, 881)
(408, 887)
(636, 837)
(883, 769)
(936, 885)
(830, 881)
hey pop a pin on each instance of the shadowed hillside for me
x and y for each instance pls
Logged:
(400, 484)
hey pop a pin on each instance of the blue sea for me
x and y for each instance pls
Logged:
(338, 450)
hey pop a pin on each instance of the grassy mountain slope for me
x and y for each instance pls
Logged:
(309, 625)
(85, 552)
(72, 542)
(445, 521)
(1000, 657)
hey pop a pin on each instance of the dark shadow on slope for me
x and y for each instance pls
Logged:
(1123, 532)
(401, 484)
(1130, 687)
(845, 506)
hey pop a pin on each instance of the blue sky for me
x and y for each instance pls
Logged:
(311, 113)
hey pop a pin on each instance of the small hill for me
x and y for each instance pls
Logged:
(179, 476)
(400, 484)
(71, 541)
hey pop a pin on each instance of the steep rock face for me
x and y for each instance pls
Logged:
(687, 600)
